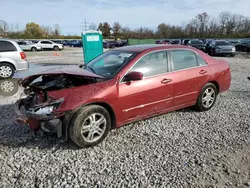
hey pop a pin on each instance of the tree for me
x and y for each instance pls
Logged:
(106, 30)
(162, 30)
(116, 29)
(92, 26)
(4, 28)
(200, 22)
(33, 30)
(100, 27)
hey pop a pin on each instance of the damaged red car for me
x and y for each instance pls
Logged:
(119, 87)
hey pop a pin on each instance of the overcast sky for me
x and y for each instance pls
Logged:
(132, 13)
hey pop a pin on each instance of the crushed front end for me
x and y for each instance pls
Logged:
(39, 110)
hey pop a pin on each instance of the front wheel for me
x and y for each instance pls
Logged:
(207, 97)
(33, 49)
(89, 126)
(56, 48)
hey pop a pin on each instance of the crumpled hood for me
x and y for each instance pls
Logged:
(59, 71)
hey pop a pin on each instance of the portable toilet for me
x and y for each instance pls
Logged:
(92, 45)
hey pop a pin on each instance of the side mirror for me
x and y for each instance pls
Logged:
(133, 76)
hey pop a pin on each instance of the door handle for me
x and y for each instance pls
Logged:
(166, 80)
(203, 72)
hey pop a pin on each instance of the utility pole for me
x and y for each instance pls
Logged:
(85, 23)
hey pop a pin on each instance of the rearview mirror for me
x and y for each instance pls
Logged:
(133, 76)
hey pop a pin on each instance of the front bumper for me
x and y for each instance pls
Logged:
(46, 122)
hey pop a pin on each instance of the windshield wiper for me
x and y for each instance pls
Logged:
(91, 69)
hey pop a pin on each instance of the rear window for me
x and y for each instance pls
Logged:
(6, 46)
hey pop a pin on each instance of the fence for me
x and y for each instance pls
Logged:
(141, 41)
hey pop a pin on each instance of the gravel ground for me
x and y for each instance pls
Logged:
(179, 149)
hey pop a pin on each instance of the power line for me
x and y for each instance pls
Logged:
(85, 24)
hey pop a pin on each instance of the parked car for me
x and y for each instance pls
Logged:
(163, 41)
(110, 44)
(77, 44)
(244, 46)
(121, 86)
(199, 44)
(175, 41)
(12, 58)
(50, 45)
(185, 41)
(221, 47)
(29, 46)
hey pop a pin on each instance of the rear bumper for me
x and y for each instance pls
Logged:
(22, 65)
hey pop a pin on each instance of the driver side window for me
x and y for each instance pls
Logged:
(152, 64)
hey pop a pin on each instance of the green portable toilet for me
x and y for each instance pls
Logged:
(92, 45)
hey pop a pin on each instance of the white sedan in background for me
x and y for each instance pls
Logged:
(27, 46)
(50, 45)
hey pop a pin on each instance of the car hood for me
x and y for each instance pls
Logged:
(226, 47)
(60, 71)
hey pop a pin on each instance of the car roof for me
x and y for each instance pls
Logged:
(143, 47)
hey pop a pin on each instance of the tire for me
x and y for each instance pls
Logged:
(232, 55)
(84, 116)
(8, 87)
(55, 48)
(208, 88)
(6, 70)
(33, 49)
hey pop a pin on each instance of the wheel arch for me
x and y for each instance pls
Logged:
(216, 85)
(10, 63)
(67, 118)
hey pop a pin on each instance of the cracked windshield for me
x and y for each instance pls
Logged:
(101, 93)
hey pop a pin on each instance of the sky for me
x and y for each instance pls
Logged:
(70, 14)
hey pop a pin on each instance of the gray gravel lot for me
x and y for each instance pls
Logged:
(179, 149)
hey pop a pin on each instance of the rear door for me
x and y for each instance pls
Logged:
(9, 51)
(190, 74)
(152, 94)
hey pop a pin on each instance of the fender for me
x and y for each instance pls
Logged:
(8, 60)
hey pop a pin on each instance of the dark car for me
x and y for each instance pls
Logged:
(244, 46)
(199, 44)
(110, 44)
(221, 47)
(175, 41)
(185, 41)
(77, 44)
(121, 86)
(163, 41)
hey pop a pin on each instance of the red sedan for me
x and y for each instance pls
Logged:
(119, 87)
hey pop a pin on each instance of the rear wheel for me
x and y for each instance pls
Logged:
(232, 55)
(207, 97)
(6, 70)
(89, 126)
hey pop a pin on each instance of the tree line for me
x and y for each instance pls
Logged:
(225, 25)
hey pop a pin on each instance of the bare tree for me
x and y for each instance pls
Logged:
(228, 22)
(116, 29)
(200, 22)
(4, 28)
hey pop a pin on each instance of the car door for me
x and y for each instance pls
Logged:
(189, 74)
(152, 94)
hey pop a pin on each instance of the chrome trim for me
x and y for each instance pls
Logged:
(194, 92)
(143, 105)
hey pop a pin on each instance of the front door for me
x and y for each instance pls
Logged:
(190, 74)
(152, 94)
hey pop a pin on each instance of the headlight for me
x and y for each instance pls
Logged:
(45, 110)
(234, 49)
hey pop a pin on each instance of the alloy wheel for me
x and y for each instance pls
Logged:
(5, 71)
(208, 97)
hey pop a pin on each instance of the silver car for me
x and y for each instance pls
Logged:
(50, 45)
(29, 46)
(12, 58)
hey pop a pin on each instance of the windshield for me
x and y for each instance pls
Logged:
(110, 63)
(223, 43)
(197, 42)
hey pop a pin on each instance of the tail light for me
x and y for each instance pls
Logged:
(23, 55)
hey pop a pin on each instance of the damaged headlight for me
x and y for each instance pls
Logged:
(46, 109)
